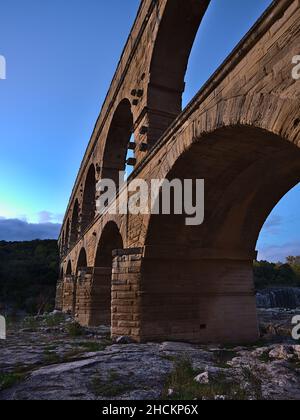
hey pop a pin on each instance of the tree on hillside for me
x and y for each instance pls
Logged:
(28, 275)
(268, 274)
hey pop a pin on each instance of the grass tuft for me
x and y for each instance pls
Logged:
(8, 380)
(92, 346)
(75, 330)
(53, 320)
(113, 387)
(185, 388)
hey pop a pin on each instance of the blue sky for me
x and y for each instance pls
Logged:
(61, 56)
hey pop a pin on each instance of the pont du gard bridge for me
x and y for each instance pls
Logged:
(152, 276)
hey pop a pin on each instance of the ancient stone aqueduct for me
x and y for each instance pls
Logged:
(152, 277)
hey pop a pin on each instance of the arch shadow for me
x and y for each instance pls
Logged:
(89, 199)
(202, 288)
(117, 143)
(110, 240)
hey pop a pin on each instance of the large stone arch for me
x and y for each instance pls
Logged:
(82, 261)
(271, 114)
(229, 155)
(244, 121)
(60, 290)
(176, 33)
(117, 142)
(69, 270)
(75, 227)
(89, 199)
(67, 235)
(75, 282)
(61, 244)
(110, 240)
(202, 286)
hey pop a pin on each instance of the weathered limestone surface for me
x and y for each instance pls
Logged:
(49, 364)
(241, 134)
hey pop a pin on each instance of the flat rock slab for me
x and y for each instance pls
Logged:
(55, 366)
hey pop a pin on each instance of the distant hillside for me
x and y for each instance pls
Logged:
(28, 275)
(29, 272)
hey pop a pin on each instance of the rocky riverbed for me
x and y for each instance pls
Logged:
(51, 358)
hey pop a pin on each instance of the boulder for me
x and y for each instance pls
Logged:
(124, 340)
(203, 378)
(282, 352)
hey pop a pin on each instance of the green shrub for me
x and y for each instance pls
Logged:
(75, 330)
(185, 388)
(53, 320)
(113, 387)
(8, 380)
(28, 275)
(268, 274)
(92, 346)
(31, 323)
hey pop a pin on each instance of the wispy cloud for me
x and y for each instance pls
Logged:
(273, 225)
(21, 230)
(48, 217)
(276, 253)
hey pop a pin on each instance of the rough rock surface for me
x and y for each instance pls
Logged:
(49, 364)
(275, 324)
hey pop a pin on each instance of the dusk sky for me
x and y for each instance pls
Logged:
(61, 56)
